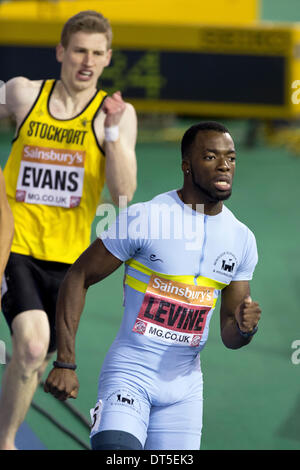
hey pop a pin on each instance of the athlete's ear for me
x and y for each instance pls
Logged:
(60, 52)
(108, 57)
(185, 166)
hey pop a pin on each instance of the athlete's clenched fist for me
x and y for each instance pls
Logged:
(113, 107)
(62, 383)
(248, 315)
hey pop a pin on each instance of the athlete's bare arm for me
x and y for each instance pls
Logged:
(6, 228)
(237, 307)
(121, 167)
(92, 266)
(20, 94)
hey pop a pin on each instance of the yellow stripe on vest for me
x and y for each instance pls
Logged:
(186, 279)
(136, 284)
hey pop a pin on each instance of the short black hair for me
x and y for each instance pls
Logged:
(189, 136)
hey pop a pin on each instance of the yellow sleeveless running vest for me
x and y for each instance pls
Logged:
(54, 177)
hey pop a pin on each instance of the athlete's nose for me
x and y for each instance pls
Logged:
(88, 59)
(223, 164)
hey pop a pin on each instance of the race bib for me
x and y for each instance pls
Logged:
(52, 177)
(95, 414)
(173, 312)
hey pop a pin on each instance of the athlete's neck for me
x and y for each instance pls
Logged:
(197, 203)
(69, 102)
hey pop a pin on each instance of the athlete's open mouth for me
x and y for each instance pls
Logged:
(84, 74)
(222, 185)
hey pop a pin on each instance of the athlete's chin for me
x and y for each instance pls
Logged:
(80, 85)
(224, 196)
(220, 196)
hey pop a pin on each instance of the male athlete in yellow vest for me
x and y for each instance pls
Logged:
(70, 138)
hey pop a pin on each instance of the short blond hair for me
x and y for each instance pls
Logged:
(88, 21)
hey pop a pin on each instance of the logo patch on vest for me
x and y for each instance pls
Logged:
(225, 264)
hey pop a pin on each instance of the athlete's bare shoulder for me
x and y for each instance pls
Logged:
(20, 94)
(21, 91)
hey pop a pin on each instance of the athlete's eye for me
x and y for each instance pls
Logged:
(209, 157)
